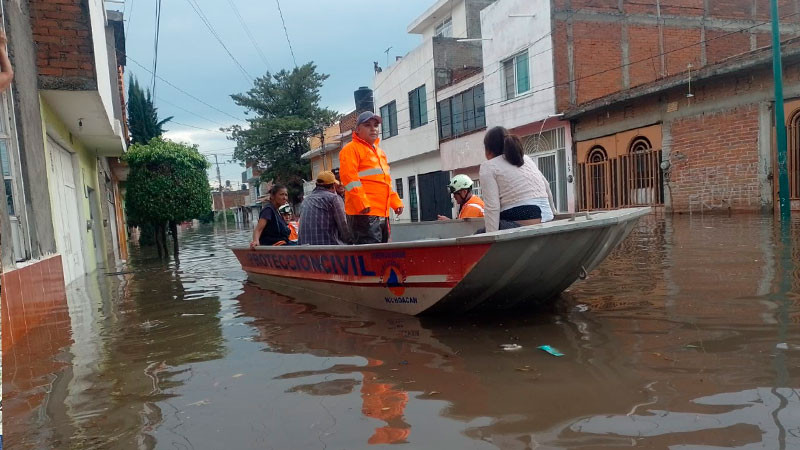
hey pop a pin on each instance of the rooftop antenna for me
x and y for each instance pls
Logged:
(387, 55)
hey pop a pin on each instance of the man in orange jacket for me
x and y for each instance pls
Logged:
(364, 171)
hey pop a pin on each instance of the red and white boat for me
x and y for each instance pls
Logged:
(437, 267)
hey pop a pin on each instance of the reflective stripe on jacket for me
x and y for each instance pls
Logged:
(364, 172)
(472, 208)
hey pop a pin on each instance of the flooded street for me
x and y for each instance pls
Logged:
(687, 336)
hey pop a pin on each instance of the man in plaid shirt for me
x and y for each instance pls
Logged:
(323, 219)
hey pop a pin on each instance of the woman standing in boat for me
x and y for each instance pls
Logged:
(514, 190)
(271, 228)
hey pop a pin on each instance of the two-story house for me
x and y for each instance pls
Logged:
(63, 129)
(406, 97)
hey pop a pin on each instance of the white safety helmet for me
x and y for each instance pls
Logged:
(460, 182)
(285, 209)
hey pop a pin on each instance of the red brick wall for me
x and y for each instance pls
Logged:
(716, 159)
(62, 33)
(598, 45)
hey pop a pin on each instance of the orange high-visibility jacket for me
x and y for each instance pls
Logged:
(364, 171)
(472, 208)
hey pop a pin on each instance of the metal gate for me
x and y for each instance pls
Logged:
(793, 155)
(634, 179)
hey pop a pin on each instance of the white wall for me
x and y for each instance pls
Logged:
(458, 12)
(394, 83)
(105, 87)
(511, 35)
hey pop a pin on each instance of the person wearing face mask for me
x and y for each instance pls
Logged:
(369, 196)
(470, 205)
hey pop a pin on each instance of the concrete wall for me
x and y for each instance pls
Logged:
(27, 113)
(718, 143)
(604, 47)
(509, 36)
(394, 84)
(458, 12)
(86, 175)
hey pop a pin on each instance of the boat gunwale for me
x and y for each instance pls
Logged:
(554, 227)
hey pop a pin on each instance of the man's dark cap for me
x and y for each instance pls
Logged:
(368, 115)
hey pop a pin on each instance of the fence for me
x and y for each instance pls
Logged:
(634, 179)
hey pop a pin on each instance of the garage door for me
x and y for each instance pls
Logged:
(63, 194)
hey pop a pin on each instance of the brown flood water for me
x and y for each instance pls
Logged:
(686, 337)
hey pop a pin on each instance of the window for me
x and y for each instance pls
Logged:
(412, 194)
(5, 160)
(389, 116)
(476, 188)
(444, 28)
(445, 120)
(398, 187)
(462, 113)
(418, 107)
(516, 76)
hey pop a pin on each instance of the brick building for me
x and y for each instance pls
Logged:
(605, 46)
(692, 148)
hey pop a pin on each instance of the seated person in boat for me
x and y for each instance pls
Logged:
(286, 213)
(271, 228)
(324, 221)
(470, 205)
(514, 190)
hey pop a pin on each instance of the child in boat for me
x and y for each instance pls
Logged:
(286, 213)
(470, 205)
(514, 190)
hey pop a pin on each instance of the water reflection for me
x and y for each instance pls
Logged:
(686, 336)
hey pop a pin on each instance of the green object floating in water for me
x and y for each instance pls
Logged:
(550, 350)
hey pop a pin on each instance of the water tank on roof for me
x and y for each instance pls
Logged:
(364, 100)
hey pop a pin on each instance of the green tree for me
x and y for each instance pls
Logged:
(143, 120)
(167, 184)
(287, 113)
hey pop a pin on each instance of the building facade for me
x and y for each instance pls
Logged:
(64, 130)
(406, 97)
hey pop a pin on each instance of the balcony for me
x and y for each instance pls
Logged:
(79, 62)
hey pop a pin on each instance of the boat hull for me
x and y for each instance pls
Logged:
(508, 269)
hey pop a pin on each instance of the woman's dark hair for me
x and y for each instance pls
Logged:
(498, 141)
(276, 188)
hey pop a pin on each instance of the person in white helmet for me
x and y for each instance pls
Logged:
(470, 205)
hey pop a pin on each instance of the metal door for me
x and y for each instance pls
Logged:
(67, 222)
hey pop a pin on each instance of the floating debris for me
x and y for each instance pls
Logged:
(524, 368)
(238, 375)
(510, 347)
(550, 350)
(190, 315)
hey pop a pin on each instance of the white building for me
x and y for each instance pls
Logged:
(406, 98)
(518, 79)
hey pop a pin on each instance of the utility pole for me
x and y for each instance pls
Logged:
(780, 120)
(222, 196)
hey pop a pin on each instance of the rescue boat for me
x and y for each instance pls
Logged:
(443, 267)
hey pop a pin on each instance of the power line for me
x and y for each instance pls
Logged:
(286, 32)
(191, 112)
(548, 85)
(172, 85)
(249, 34)
(203, 18)
(155, 45)
(130, 16)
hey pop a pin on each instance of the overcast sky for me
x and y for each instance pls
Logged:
(342, 37)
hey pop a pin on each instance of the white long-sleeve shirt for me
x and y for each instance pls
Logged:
(505, 186)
